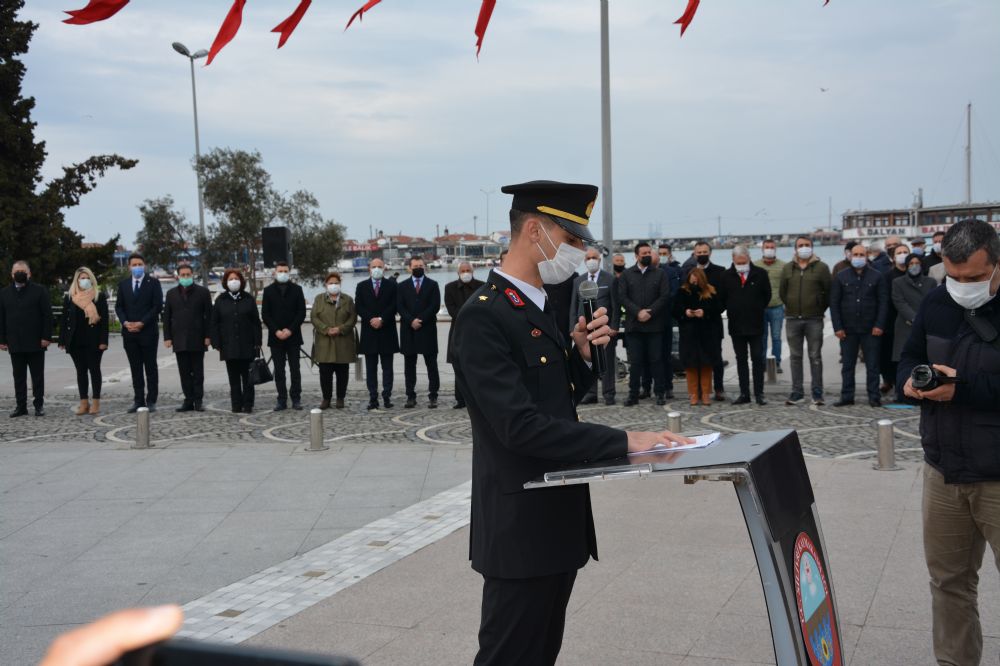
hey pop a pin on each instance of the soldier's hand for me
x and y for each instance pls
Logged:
(644, 441)
(596, 332)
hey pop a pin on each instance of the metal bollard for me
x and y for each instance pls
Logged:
(772, 370)
(674, 422)
(142, 429)
(886, 447)
(316, 431)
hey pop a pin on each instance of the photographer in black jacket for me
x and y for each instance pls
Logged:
(955, 332)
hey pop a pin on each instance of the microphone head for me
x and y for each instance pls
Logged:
(587, 290)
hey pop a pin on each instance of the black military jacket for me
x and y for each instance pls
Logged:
(522, 385)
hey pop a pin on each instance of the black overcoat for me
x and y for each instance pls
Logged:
(423, 306)
(384, 340)
(187, 318)
(521, 384)
(283, 306)
(700, 337)
(235, 329)
(456, 293)
(76, 331)
(746, 302)
(25, 317)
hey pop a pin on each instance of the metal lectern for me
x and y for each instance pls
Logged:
(771, 481)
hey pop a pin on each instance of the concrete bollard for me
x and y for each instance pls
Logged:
(772, 370)
(674, 422)
(142, 429)
(886, 447)
(316, 431)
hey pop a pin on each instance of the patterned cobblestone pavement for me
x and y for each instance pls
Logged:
(825, 431)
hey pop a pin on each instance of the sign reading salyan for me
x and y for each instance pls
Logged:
(816, 614)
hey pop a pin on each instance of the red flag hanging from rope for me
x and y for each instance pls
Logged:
(360, 13)
(288, 25)
(685, 20)
(485, 12)
(228, 30)
(96, 10)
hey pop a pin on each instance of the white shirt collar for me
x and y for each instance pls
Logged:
(533, 293)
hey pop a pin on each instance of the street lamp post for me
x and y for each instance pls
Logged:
(487, 193)
(183, 50)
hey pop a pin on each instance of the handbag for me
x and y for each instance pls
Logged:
(260, 373)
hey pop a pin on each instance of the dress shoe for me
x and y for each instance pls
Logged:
(643, 395)
(760, 400)
(458, 405)
(324, 404)
(720, 396)
(340, 403)
(660, 400)
(844, 402)
(742, 400)
(669, 395)
(198, 407)
(83, 408)
(631, 401)
(134, 408)
(151, 406)
(19, 411)
(95, 406)
(432, 403)
(248, 409)
(280, 407)
(589, 400)
(372, 404)
(387, 403)
(39, 411)
(875, 402)
(410, 403)
(297, 405)
(609, 401)
(236, 409)
(185, 407)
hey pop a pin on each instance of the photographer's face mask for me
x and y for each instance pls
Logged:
(971, 295)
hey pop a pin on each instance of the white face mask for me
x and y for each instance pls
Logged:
(742, 268)
(936, 247)
(900, 259)
(593, 265)
(333, 288)
(971, 295)
(84, 283)
(859, 262)
(377, 273)
(804, 252)
(562, 265)
(281, 277)
(770, 253)
(234, 285)
(465, 277)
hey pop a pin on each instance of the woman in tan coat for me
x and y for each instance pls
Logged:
(334, 338)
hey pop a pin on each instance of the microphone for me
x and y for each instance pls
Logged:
(588, 297)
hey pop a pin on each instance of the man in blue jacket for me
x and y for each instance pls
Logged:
(955, 331)
(138, 305)
(859, 303)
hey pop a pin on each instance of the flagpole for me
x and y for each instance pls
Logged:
(608, 233)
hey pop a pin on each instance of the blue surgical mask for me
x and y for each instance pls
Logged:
(917, 250)
(858, 262)
(138, 272)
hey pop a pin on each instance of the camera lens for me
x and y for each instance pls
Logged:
(922, 376)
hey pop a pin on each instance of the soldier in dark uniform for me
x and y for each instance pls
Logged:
(521, 383)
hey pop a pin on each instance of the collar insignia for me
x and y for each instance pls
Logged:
(514, 298)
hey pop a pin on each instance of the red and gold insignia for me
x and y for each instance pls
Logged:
(514, 298)
(536, 332)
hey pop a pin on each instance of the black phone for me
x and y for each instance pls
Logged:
(184, 652)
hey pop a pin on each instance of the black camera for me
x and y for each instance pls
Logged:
(926, 378)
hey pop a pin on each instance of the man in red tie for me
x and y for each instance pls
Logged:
(747, 292)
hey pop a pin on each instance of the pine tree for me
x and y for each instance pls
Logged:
(32, 222)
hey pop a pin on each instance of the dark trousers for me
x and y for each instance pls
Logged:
(87, 361)
(849, 358)
(523, 619)
(607, 380)
(459, 398)
(645, 349)
(290, 353)
(886, 365)
(717, 371)
(371, 375)
(240, 387)
(21, 363)
(410, 375)
(143, 357)
(755, 343)
(191, 366)
(666, 360)
(326, 373)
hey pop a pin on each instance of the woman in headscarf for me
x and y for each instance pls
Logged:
(83, 333)
(907, 293)
(336, 345)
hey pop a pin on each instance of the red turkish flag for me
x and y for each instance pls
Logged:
(288, 25)
(96, 10)
(230, 26)
(359, 14)
(685, 20)
(485, 12)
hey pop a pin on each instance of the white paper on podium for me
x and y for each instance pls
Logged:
(700, 442)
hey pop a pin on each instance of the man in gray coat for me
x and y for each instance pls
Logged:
(607, 298)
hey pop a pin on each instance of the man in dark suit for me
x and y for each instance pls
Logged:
(418, 301)
(455, 295)
(283, 311)
(703, 257)
(645, 292)
(747, 290)
(25, 333)
(138, 306)
(375, 301)
(607, 298)
(187, 315)
(522, 382)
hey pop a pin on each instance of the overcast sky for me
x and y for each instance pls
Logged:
(395, 125)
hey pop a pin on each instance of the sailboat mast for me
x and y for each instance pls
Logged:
(968, 153)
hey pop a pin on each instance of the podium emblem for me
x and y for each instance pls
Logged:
(812, 596)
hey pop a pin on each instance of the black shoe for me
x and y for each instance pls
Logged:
(280, 407)
(760, 400)
(248, 409)
(134, 408)
(237, 410)
(340, 403)
(844, 402)
(386, 402)
(39, 411)
(19, 411)
(742, 400)
(669, 395)
(198, 407)
(324, 404)
(151, 406)
(720, 396)
(795, 399)
(410, 403)
(458, 405)
(609, 401)
(432, 403)
(875, 402)
(372, 404)
(631, 401)
(297, 405)
(186, 406)
(644, 395)
(589, 400)
(660, 400)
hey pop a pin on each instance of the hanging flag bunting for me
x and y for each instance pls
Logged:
(96, 10)
(227, 30)
(358, 14)
(288, 25)
(485, 12)
(685, 20)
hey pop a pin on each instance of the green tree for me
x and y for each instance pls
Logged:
(32, 221)
(317, 243)
(164, 237)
